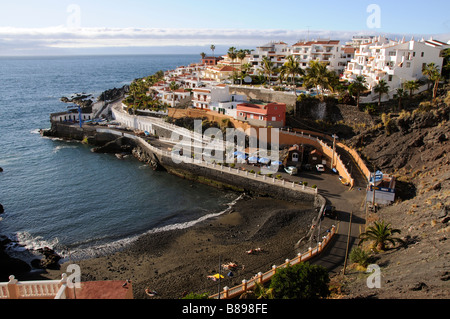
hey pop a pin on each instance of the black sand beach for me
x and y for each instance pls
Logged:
(177, 262)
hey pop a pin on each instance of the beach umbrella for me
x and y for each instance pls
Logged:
(242, 156)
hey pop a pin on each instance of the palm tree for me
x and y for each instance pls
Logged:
(282, 74)
(203, 54)
(357, 87)
(213, 47)
(429, 71)
(380, 234)
(173, 87)
(411, 86)
(293, 68)
(268, 67)
(381, 88)
(241, 56)
(399, 96)
(318, 76)
(232, 53)
(435, 77)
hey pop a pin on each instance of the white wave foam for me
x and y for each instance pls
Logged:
(60, 147)
(26, 241)
(36, 131)
(104, 249)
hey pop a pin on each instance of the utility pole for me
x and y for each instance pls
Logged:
(334, 149)
(348, 241)
(218, 289)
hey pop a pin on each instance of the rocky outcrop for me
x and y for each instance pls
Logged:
(9, 265)
(114, 94)
(49, 261)
(119, 145)
(83, 100)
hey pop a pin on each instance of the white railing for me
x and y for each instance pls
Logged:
(45, 289)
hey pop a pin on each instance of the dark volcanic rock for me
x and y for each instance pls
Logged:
(51, 258)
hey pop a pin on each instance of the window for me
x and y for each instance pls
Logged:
(408, 64)
(423, 54)
(274, 118)
(390, 78)
(392, 53)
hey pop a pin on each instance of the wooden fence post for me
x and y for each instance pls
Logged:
(244, 285)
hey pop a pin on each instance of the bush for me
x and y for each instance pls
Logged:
(194, 295)
(301, 281)
(359, 256)
(278, 176)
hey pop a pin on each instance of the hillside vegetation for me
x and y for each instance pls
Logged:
(413, 145)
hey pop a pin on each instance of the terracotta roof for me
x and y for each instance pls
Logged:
(202, 90)
(309, 43)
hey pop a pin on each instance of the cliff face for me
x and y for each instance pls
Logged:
(414, 146)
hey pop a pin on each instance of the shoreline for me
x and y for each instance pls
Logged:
(178, 261)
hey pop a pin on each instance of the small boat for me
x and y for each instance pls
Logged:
(291, 170)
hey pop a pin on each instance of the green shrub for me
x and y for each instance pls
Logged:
(194, 295)
(359, 256)
(301, 281)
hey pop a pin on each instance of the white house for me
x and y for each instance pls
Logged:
(218, 99)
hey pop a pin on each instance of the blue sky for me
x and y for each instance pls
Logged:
(68, 25)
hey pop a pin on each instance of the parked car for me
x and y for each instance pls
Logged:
(329, 211)
(291, 170)
(320, 168)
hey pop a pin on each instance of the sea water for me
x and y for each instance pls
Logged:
(61, 195)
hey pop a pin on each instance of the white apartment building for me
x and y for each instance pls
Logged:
(275, 51)
(218, 99)
(326, 51)
(396, 62)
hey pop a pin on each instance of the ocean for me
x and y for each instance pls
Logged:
(59, 194)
